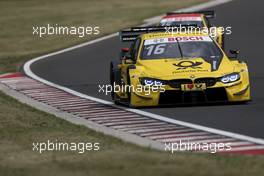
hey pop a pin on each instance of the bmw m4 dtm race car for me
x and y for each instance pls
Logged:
(199, 19)
(162, 68)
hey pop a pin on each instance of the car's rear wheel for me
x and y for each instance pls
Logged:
(113, 79)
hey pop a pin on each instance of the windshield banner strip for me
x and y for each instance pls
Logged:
(178, 39)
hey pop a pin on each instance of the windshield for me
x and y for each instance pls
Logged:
(181, 47)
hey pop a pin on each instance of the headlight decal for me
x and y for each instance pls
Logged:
(152, 82)
(230, 78)
(148, 82)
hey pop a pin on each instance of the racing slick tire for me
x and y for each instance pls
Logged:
(115, 77)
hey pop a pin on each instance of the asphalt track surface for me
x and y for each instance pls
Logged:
(83, 69)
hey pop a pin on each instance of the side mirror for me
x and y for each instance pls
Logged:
(235, 53)
(129, 59)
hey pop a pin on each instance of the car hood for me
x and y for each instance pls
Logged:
(184, 68)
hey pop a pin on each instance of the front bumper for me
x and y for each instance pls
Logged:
(236, 92)
(190, 97)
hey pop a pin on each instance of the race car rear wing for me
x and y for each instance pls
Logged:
(207, 14)
(131, 34)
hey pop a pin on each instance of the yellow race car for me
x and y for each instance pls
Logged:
(162, 68)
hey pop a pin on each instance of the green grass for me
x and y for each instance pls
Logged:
(17, 17)
(21, 125)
